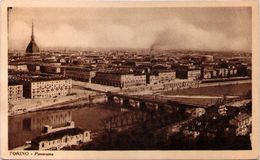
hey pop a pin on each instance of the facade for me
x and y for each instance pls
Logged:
(153, 79)
(18, 67)
(161, 77)
(51, 69)
(190, 74)
(43, 86)
(34, 67)
(181, 85)
(208, 73)
(120, 79)
(15, 91)
(50, 88)
(131, 80)
(166, 76)
(80, 74)
(60, 139)
(211, 73)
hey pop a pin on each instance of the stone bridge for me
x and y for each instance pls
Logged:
(147, 103)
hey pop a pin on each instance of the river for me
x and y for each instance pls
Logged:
(24, 127)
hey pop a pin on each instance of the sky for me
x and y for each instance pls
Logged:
(216, 29)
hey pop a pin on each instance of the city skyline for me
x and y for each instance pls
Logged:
(115, 77)
(157, 28)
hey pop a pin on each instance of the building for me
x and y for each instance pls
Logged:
(190, 74)
(207, 58)
(166, 76)
(15, 91)
(161, 76)
(222, 72)
(34, 67)
(152, 79)
(213, 73)
(32, 47)
(51, 69)
(208, 73)
(42, 85)
(18, 67)
(80, 74)
(60, 139)
(120, 79)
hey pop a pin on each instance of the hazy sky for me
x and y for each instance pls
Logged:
(171, 28)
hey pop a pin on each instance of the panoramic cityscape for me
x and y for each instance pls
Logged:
(193, 92)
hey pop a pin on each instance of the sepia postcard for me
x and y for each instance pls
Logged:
(129, 79)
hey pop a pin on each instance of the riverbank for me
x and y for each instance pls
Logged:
(83, 96)
(33, 105)
(216, 89)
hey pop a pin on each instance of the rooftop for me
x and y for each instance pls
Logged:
(35, 77)
(12, 83)
(58, 134)
(78, 69)
(118, 72)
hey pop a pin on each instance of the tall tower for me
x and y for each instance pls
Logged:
(32, 46)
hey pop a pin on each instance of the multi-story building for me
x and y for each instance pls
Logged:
(161, 76)
(60, 139)
(166, 76)
(208, 73)
(120, 79)
(18, 67)
(34, 67)
(51, 69)
(81, 74)
(153, 79)
(190, 74)
(15, 91)
(211, 73)
(43, 85)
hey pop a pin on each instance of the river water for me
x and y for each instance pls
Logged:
(89, 117)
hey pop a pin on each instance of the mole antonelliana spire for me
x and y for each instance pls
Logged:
(32, 46)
